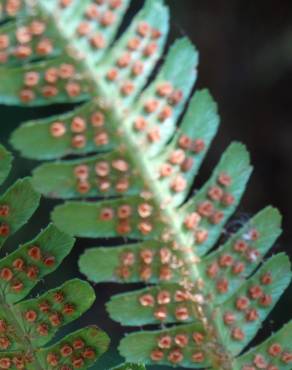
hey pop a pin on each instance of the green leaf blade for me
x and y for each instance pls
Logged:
(126, 264)
(130, 309)
(34, 139)
(17, 206)
(53, 246)
(200, 125)
(179, 70)
(86, 219)
(54, 309)
(17, 52)
(154, 14)
(141, 346)
(76, 90)
(5, 163)
(281, 359)
(235, 163)
(93, 342)
(261, 304)
(267, 225)
(88, 177)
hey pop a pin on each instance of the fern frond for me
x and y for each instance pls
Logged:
(26, 326)
(144, 164)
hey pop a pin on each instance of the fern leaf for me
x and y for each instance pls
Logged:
(58, 180)
(149, 51)
(13, 217)
(93, 341)
(28, 325)
(144, 164)
(275, 351)
(77, 90)
(23, 42)
(179, 70)
(268, 224)
(5, 163)
(34, 138)
(77, 292)
(106, 219)
(235, 163)
(139, 345)
(200, 124)
(126, 308)
(252, 303)
(91, 265)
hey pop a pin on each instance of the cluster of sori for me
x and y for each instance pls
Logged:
(78, 129)
(62, 79)
(105, 175)
(157, 109)
(26, 42)
(11, 8)
(99, 13)
(26, 265)
(126, 217)
(130, 64)
(210, 211)
(172, 344)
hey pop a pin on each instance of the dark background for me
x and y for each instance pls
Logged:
(246, 62)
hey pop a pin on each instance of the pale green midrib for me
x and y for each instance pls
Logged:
(21, 335)
(141, 162)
